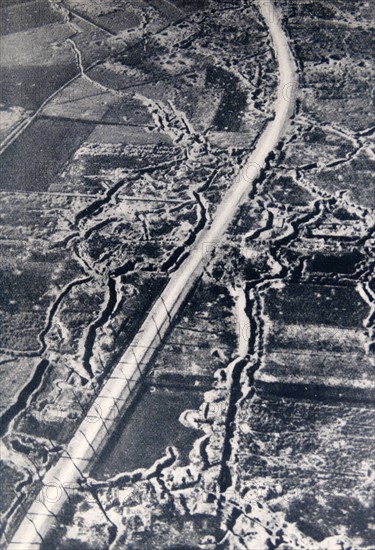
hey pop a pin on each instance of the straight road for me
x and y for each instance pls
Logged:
(62, 478)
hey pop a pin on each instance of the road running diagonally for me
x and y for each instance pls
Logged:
(116, 392)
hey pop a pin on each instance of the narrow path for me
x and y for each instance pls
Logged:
(18, 130)
(89, 21)
(81, 68)
(113, 398)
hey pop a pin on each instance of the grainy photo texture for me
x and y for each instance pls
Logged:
(187, 290)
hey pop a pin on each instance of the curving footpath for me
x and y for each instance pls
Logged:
(62, 479)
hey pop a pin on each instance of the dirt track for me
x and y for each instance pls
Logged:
(113, 398)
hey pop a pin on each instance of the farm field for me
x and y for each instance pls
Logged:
(187, 191)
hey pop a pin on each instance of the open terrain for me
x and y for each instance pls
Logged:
(186, 266)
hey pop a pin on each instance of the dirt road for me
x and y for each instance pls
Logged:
(93, 432)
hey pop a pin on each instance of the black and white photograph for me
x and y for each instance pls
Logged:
(187, 275)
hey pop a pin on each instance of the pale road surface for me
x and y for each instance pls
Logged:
(104, 413)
